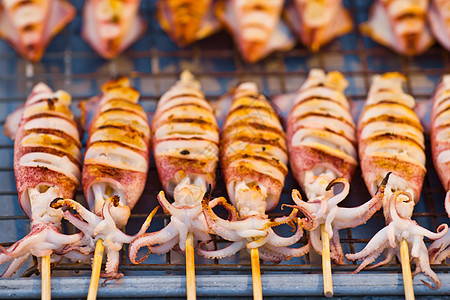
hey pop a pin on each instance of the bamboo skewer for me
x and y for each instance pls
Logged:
(256, 274)
(45, 278)
(190, 267)
(96, 268)
(406, 270)
(326, 263)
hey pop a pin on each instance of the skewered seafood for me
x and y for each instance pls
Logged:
(400, 25)
(29, 26)
(111, 26)
(115, 170)
(321, 140)
(47, 156)
(391, 140)
(440, 147)
(253, 158)
(439, 19)
(187, 21)
(185, 141)
(318, 22)
(256, 26)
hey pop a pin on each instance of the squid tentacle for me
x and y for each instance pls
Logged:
(231, 249)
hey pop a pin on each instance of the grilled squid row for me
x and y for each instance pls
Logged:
(322, 147)
(47, 159)
(186, 149)
(391, 141)
(115, 170)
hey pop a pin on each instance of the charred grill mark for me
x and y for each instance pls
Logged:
(394, 120)
(392, 136)
(200, 122)
(273, 161)
(327, 129)
(324, 115)
(255, 140)
(165, 139)
(50, 104)
(50, 115)
(185, 162)
(122, 110)
(56, 132)
(388, 101)
(193, 95)
(184, 105)
(116, 143)
(253, 107)
(321, 98)
(245, 172)
(253, 125)
(50, 150)
(130, 130)
(443, 110)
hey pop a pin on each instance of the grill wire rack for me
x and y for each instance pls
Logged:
(154, 64)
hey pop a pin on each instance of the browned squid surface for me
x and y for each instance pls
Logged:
(391, 140)
(47, 156)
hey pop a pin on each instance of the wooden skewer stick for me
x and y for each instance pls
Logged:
(326, 263)
(45, 278)
(190, 267)
(96, 268)
(406, 270)
(256, 274)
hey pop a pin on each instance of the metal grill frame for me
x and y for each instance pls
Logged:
(216, 58)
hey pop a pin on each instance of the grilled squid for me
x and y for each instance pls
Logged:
(115, 170)
(187, 21)
(111, 26)
(256, 26)
(185, 143)
(391, 140)
(321, 139)
(47, 158)
(253, 159)
(318, 22)
(29, 26)
(400, 25)
(439, 20)
(440, 148)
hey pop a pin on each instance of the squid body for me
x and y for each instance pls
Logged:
(47, 158)
(391, 140)
(29, 26)
(400, 25)
(185, 143)
(254, 161)
(115, 170)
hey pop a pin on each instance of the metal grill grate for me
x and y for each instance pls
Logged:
(154, 64)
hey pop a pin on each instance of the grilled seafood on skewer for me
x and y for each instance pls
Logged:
(115, 170)
(318, 22)
(256, 26)
(185, 143)
(29, 26)
(440, 148)
(391, 140)
(439, 20)
(111, 26)
(321, 139)
(253, 158)
(187, 21)
(47, 157)
(400, 25)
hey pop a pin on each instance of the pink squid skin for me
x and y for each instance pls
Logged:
(111, 26)
(404, 28)
(439, 250)
(30, 37)
(317, 23)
